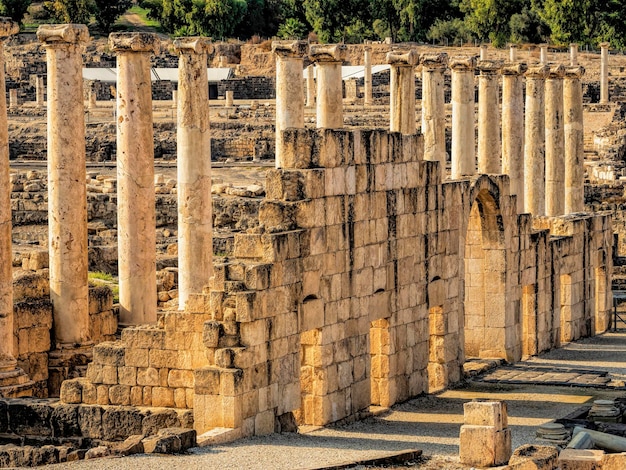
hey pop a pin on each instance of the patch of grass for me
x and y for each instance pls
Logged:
(102, 276)
(99, 278)
(142, 13)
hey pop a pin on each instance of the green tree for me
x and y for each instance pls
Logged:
(330, 18)
(108, 11)
(14, 9)
(292, 28)
(455, 30)
(71, 11)
(490, 18)
(572, 20)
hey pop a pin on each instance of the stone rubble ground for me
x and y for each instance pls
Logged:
(430, 423)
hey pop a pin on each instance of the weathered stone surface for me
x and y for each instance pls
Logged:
(132, 445)
(121, 422)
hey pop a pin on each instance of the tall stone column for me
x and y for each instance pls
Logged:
(367, 99)
(513, 53)
(513, 129)
(329, 84)
(433, 111)
(310, 86)
(136, 221)
(574, 140)
(534, 141)
(604, 73)
(463, 108)
(67, 191)
(543, 54)
(402, 91)
(40, 91)
(195, 226)
(555, 142)
(289, 92)
(573, 54)
(489, 146)
(483, 52)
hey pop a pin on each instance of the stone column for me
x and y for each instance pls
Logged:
(310, 86)
(367, 99)
(40, 91)
(483, 52)
(67, 191)
(289, 93)
(573, 54)
(574, 140)
(195, 227)
(534, 141)
(93, 99)
(543, 55)
(7, 338)
(513, 53)
(604, 73)
(463, 107)
(555, 142)
(174, 98)
(402, 91)
(433, 111)
(513, 129)
(13, 102)
(489, 146)
(329, 84)
(228, 96)
(136, 221)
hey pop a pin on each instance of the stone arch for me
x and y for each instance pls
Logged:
(485, 280)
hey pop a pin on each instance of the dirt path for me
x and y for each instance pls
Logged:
(135, 21)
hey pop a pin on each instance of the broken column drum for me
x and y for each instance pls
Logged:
(67, 192)
(289, 92)
(195, 237)
(329, 84)
(488, 118)
(574, 140)
(402, 91)
(534, 141)
(463, 104)
(513, 129)
(555, 142)
(7, 353)
(433, 112)
(136, 220)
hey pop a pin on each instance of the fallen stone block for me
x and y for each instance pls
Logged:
(218, 436)
(97, 452)
(532, 457)
(187, 436)
(132, 445)
(580, 459)
(169, 444)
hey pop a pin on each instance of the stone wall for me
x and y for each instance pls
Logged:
(249, 88)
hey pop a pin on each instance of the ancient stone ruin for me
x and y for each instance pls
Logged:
(373, 274)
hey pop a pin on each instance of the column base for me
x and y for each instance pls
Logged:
(14, 382)
(67, 361)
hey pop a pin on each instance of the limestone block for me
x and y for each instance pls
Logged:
(102, 395)
(137, 357)
(145, 337)
(127, 375)
(483, 446)
(264, 423)
(148, 376)
(580, 459)
(162, 396)
(119, 395)
(180, 378)
(207, 381)
(109, 353)
(136, 396)
(211, 333)
(90, 421)
(72, 391)
(163, 359)
(248, 246)
(614, 461)
(486, 413)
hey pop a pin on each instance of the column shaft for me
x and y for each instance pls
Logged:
(574, 140)
(195, 226)
(534, 142)
(329, 85)
(513, 129)
(367, 100)
(310, 86)
(402, 91)
(463, 109)
(433, 112)
(488, 118)
(40, 92)
(604, 72)
(555, 142)
(67, 192)
(136, 220)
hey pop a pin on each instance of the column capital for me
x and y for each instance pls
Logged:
(556, 71)
(514, 68)
(489, 67)
(605, 45)
(195, 44)
(134, 42)
(328, 53)
(403, 58)
(462, 64)
(434, 62)
(52, 34)
(8, 27)
(574, 72)
(367, 47)
(290, 49)
(537, 71)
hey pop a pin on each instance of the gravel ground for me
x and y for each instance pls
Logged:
(430, 423)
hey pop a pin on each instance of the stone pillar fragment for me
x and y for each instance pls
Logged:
(433, 112)
(402, 91)
(555, 142)
(489, 117)
(543, 55)
(67, 192)
(483, 52)
(367, 99)
(329, 84)
(574, 140)
(174, 99)
(195, 226)
(93, 99)
(485, 438)
(534, 141)
(513, 129)
(463, 104)
(604, 73)
(310, 86)
(289, 92)
(40, 92)
(513, 53)
(136, 221)
(13, 101)
(573, 54)
(7, 353)
(228, 99)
